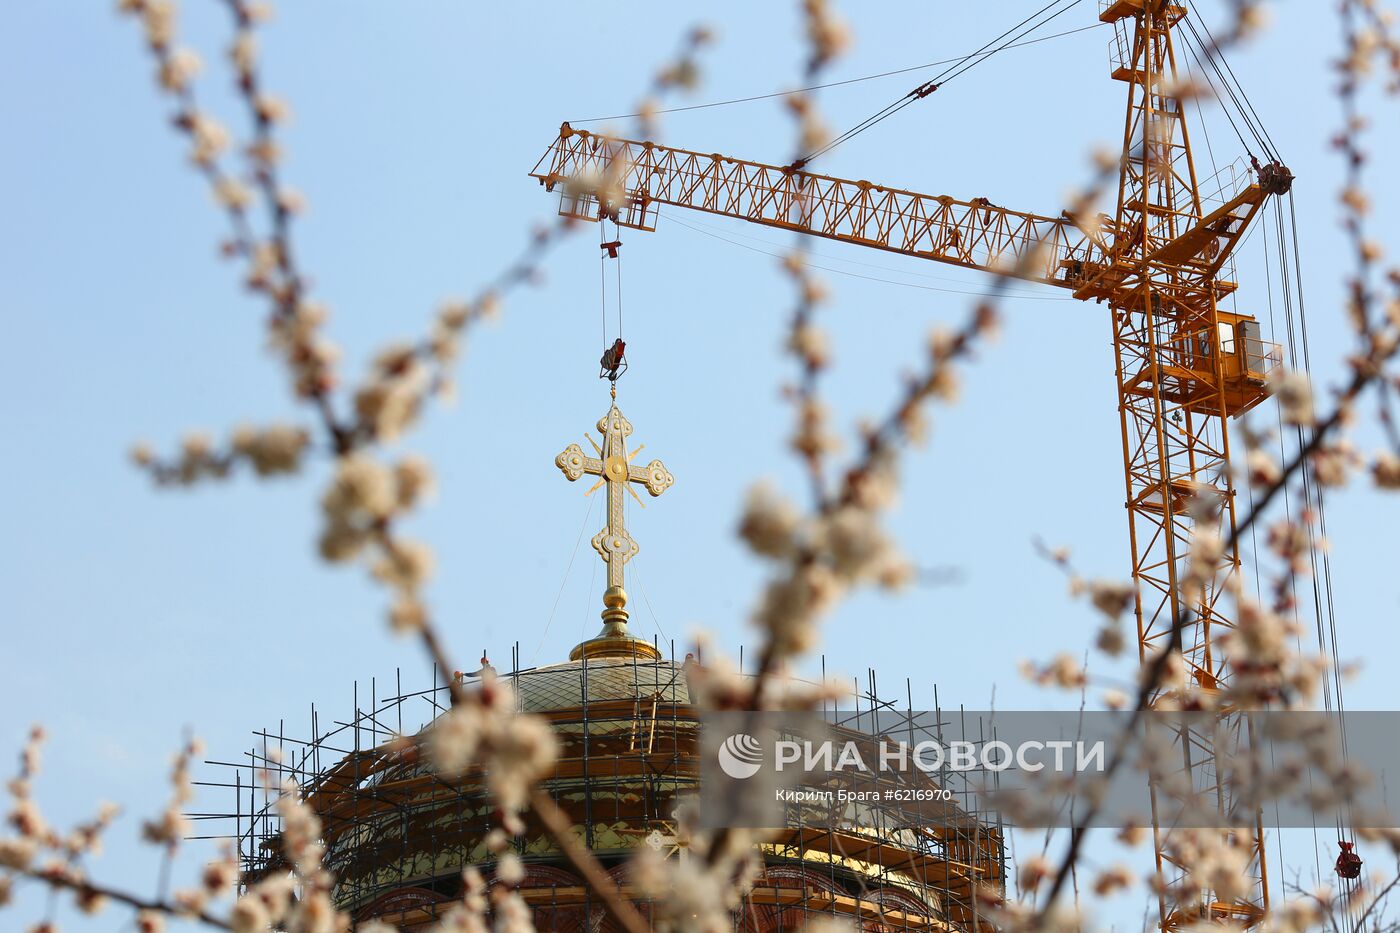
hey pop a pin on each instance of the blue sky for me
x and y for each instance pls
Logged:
(131, 614)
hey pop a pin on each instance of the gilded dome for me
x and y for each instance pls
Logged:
(398, 835)
(574, 683)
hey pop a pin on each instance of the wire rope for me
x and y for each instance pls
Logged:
(1213, 57)
(1288, 516)
(831, 84)
(562, 583)
(963, 65)
(1319, 499)
(603, 282)
(870, 278)
(1199, 58)
(617, 232)
(1324, 607)
(636, 575)
(832, 258)
(1220, 54)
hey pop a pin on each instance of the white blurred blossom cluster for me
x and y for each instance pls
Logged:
(171, 826)
(364, 498)
(606, 185)
(828, 35)
(1267, 668)
(717, 684)
(1112, 598)
(298, 898)
(699, 892)
(485, 729)
(39, 852)
(1214, 861)
(268, 451)
(841, 544)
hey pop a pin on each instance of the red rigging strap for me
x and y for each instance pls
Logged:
(614, 361)
(1348, 862)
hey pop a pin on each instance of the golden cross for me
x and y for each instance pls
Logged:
(613, 466)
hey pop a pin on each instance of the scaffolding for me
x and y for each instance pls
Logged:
(398, 836)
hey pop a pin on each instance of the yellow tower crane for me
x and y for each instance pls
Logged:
(1184, 365)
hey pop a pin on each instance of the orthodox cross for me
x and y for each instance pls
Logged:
(613, 466)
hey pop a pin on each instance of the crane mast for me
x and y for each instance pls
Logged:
(1184, 365)
(1176, 392)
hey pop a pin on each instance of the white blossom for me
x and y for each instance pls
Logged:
(1294, 393)
(770, 523)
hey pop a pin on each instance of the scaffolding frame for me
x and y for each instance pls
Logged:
(398, 836)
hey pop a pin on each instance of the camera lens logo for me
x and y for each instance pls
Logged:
(740, 756)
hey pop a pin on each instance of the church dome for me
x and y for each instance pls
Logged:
(398, 835)
(559, 686)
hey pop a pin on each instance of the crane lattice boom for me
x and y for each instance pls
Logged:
(626, 180)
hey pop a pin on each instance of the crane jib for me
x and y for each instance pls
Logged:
(627, 180)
